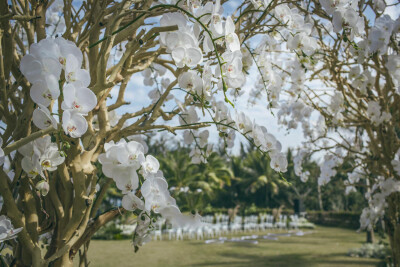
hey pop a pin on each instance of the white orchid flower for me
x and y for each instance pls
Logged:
(204, 12)
(243, 123)
(258, 135)
(79, 99)
(41, 145)
(271, 143)
(31, 165)
(181, 39)
(170, 19)
(191, 81)
(51, 159)
(132, 155)
(303, 42)
(26, 150)
(197, 156)
(126, 179)
(131, 202)
(109, 161)
(189, 116)
(207, 43)
(278, 162)
(337, 20)
(231, 38)
(190, 57)
(46, 90)
(216, 20)
(43, 187)
(233, 69)
(283, 13)
(74, 73)
(43, 119)
(188, 137)
(66, 48)
(46, 48)
(73, 123)
(203, 138)
(35, 69)
(124, 173)
(155, 193)
(155, 186)
(40, 155)
(150, 165)
(260, 4)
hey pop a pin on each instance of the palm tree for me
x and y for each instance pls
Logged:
(256, 181)
(213, 175)
(194, 182)
(177, 167)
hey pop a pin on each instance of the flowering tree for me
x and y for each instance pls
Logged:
(339, 80)
(64, 141)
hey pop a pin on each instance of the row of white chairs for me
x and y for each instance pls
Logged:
(199, 233)
(219, 225)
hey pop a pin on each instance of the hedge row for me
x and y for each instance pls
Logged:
(335, 218)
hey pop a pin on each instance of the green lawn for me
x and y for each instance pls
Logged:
(325, 247)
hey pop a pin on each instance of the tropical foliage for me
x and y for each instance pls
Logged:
(246, 179)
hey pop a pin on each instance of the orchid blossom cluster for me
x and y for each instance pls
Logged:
(344, 14)
(327, 168)
(297, 112)
(187, 47)
(127, 165)
(54, 18)
(337, 75)
(40, 156)
(376, 115)
(54, 68)
(298, 170)
(377, 201)
(352, 178)
(43, 68)
(125, 162)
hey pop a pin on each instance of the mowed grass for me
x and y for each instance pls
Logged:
(326, 246)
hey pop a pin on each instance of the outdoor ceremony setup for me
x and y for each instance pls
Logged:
(221, 226)
(199, 133)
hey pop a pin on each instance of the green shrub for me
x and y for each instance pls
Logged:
(110, 232)
(335, 218)
(379, 251)
(304, 223)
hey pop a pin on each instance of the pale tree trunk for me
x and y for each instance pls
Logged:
(370, 236)
(321, 206)
(370, 233)
(64, 261)
(24, 259)
(392, 220)
(83, 260)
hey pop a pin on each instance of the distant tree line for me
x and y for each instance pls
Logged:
(245, 179)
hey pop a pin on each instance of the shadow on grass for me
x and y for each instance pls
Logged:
(298, 260)
(307, 241)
